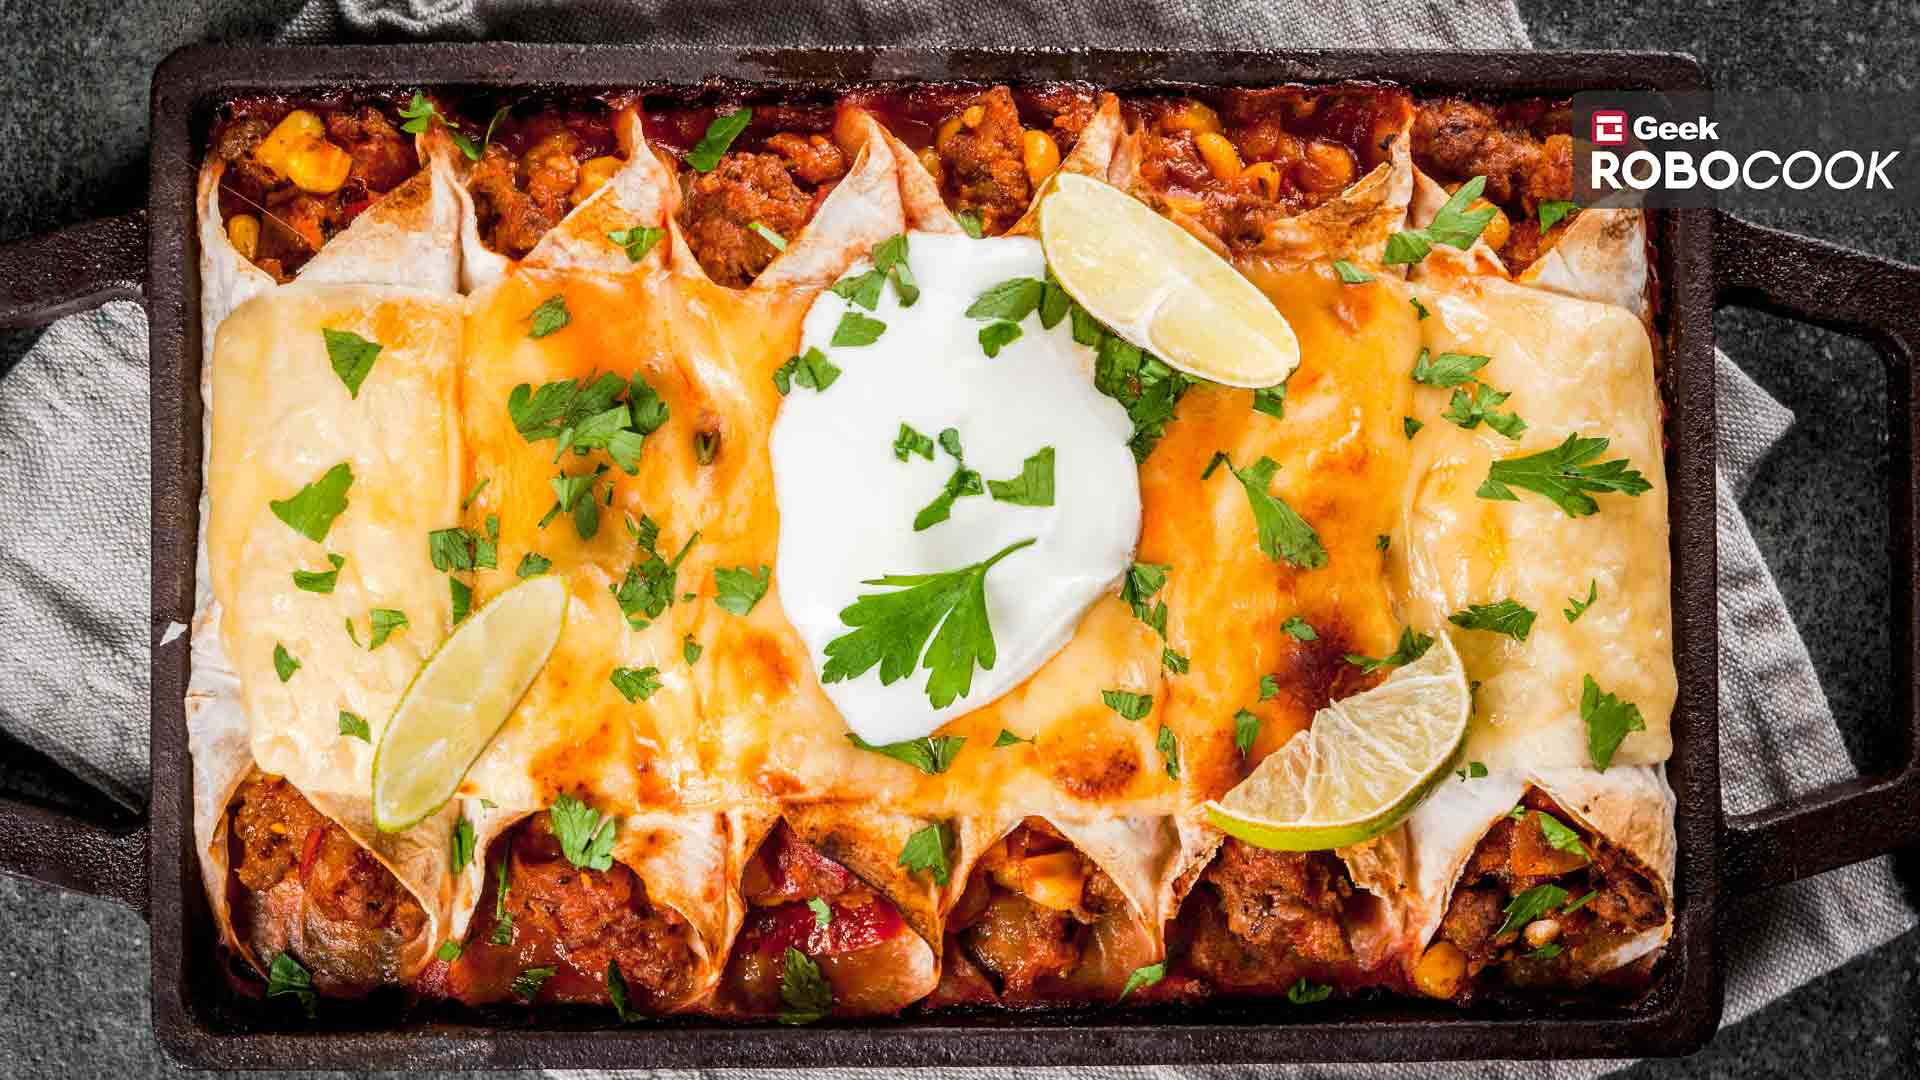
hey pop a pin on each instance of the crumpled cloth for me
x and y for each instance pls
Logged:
(73, 463)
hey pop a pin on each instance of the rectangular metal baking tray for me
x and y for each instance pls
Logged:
(1703, 261)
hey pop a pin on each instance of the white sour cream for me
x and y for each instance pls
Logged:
(847, 505)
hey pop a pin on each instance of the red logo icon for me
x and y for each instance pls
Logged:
(1609, 127)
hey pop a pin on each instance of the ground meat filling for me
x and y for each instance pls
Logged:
(536, 169)
(982, 153)
(295, 178)
(1524, 151)
(597, 916)
(279, 837)
(724, 205)
(1257, 921)
(1607, 899)
(1025, 922)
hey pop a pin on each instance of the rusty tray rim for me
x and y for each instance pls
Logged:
(1677, 1017)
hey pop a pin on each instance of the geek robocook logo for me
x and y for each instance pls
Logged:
(1679, 150)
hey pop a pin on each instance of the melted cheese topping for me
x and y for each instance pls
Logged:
(928, 370)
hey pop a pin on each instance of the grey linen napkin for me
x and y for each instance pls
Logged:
(73, 572)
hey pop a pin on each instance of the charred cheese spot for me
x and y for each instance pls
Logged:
(1088, 759)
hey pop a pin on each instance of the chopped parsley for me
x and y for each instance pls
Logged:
(1269, 687)
(1474, 771)
(1411, 426)
(1382, 542)
(856, 329)
(320, 581)
(1008, 738)
(1412, 647)
(1169, 748)
(805, 995)
(1467, 409)
(930, 755)
(1553, 212)
(1609, 721)
(910, 442)
(449, 951)
(1174, 661)
(690, 650)
(1509, 617)
(1246, 728)
(286, 977)
(1563, 475)
(822, 913)
(890, 262)
(312, 509)
(1559, 836)
(355, 726)
(502, 918)
(1010, 301)
(1299, 629)
(474, 493)
(1447, 369)
(635, 684)
(1138, 380)
(586, 837)
(926, 852)
(1454, 225)
(527, 984)
(533, 564)
(779, 242)
(1129, 705)
(463, 842)
(721, 131)
(706, 447)
(1350, 274)
(1271, 400)
(810, 369)
(1530, 905)
(963, 482)
(637, 241)
(1284, 534)
(1143, 977)
(647, 590)
(1545, 952)
(892, 630)
(738, 589)
(1576, 606)
(420, 112)
(284, 665)
(1419, 307)
(1143, 580)
(587, 414)
(1580, 903)
(551, 316)
(1034, 485)
(1303, 992)
(998, 335)
(352, 357)
(617, 994)
(969, 223)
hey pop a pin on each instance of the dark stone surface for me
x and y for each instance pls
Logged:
(73, 971)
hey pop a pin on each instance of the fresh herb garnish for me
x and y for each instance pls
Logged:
(1559, 836)
(721, 132)
(1609, 721)
(647, 590)
(890, 261)
(690, 650)
(533, 564)
(1454, 225)
(910, 442)
(1175, 662)
(352, 357)
(810, 369)
(1419, 307)
(586, 838)
(779, 242)
(1129, 705)
(586, 414)
(449, 951)
(969, 223)
(856, 329)
(421, 112)
(1303, 992)
(287, 977)
(926, 852)
(1034, 485)
(1350, 274)
(1271, 400)
(1468, 408)
(463, 842)
(1553, 212)
(963, 482)
(1284, 534)
(1530, 905)
(353, 725)
(550, 317)
(312, 509)
(1269, 687)
(738, 589)
(1545, 952)
(1299, 629)
(1008, 738)
(1578, 607)
(637, 241)
(805, 995)
(502, 918)
(996, 336)
(1447, 369)
(930, 755)
(1564, 475)
(320, 581)
(1143, 977)
(1169, 748)
(1412, 647)
(284, 665)
(527, 984)
(1580, 903)
(617, 994)
(822, 913)
(1246, 728)
(1473, 771)
(1143, 580)
(891, 629)
(1509, 617)
(635, 684)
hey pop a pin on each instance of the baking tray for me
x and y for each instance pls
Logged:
(1704, 261)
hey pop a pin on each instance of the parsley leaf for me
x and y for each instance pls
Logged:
(420, 112)
(862, 289)
(1580, 903)
(721, 131)
(352, 724)
(1143, 580)
(1055, 303)
(891, 629)
(969, 223)
(1411, 426)
(1419, 307)
(1284, 534)
(1139, 381)
(1579, 607)
(1564, 475)
(738, 589)
(926, 851)
(1559, 836)
(284, 665)
(312, 509)
(1008, 738)
(996, 336)
(1545, 952)
(1174, 662)
(910, 442)
(551, 316)
(1143, 977)
(320, 581)
(690, 650)
(1454, 225)
(352, 357)
(1406, 246)
(1271, 400)
(1466, 410)
(527, 984)
(964, 481)
(1034, 485)
(810, 369)
(1609, 721)
(617, 994)
(449, 951)
(856, 329)
(1554, 211)
(1129, 705)
(805, 995)
(890, 259)
(1350, 274)
(1303, 992)
(1447, 369)
(383, 623)
(1269, 687)
(1509, 617)
(287, 977)
(1299, 629)
(1169, 748)
(1010, 301)
(822, 914)
(635, 684)
(1412, 647)
(1530, 905)
(1474, 770)
(930, 755)
(586, 838)
(450, 549)
(533, 564)
(463, 844)
(648, 588)
(637, 241)
(779, 242)
(1246, 728)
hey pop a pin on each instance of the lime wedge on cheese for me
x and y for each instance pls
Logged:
(1155, 285)
(460, 697)
(1366, 762)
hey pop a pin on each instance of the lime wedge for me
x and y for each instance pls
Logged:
(460, 697)
(1366, 762)
(1155, 285)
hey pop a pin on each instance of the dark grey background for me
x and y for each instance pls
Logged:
(73, 971)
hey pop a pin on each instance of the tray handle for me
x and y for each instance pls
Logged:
(42, 278)
(1872, 299)
(72, 269)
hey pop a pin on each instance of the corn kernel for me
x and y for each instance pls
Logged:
(1267, 175)
(243, 232)
(1441, 970)
(295, 131)
(1222, 160)
(1498, 228)
(930, 161)
(319, 168)
(1192, 116)
(593, 174)
(973, 115)
(1040, 154)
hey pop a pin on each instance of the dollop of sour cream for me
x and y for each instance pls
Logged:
(847, 504)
